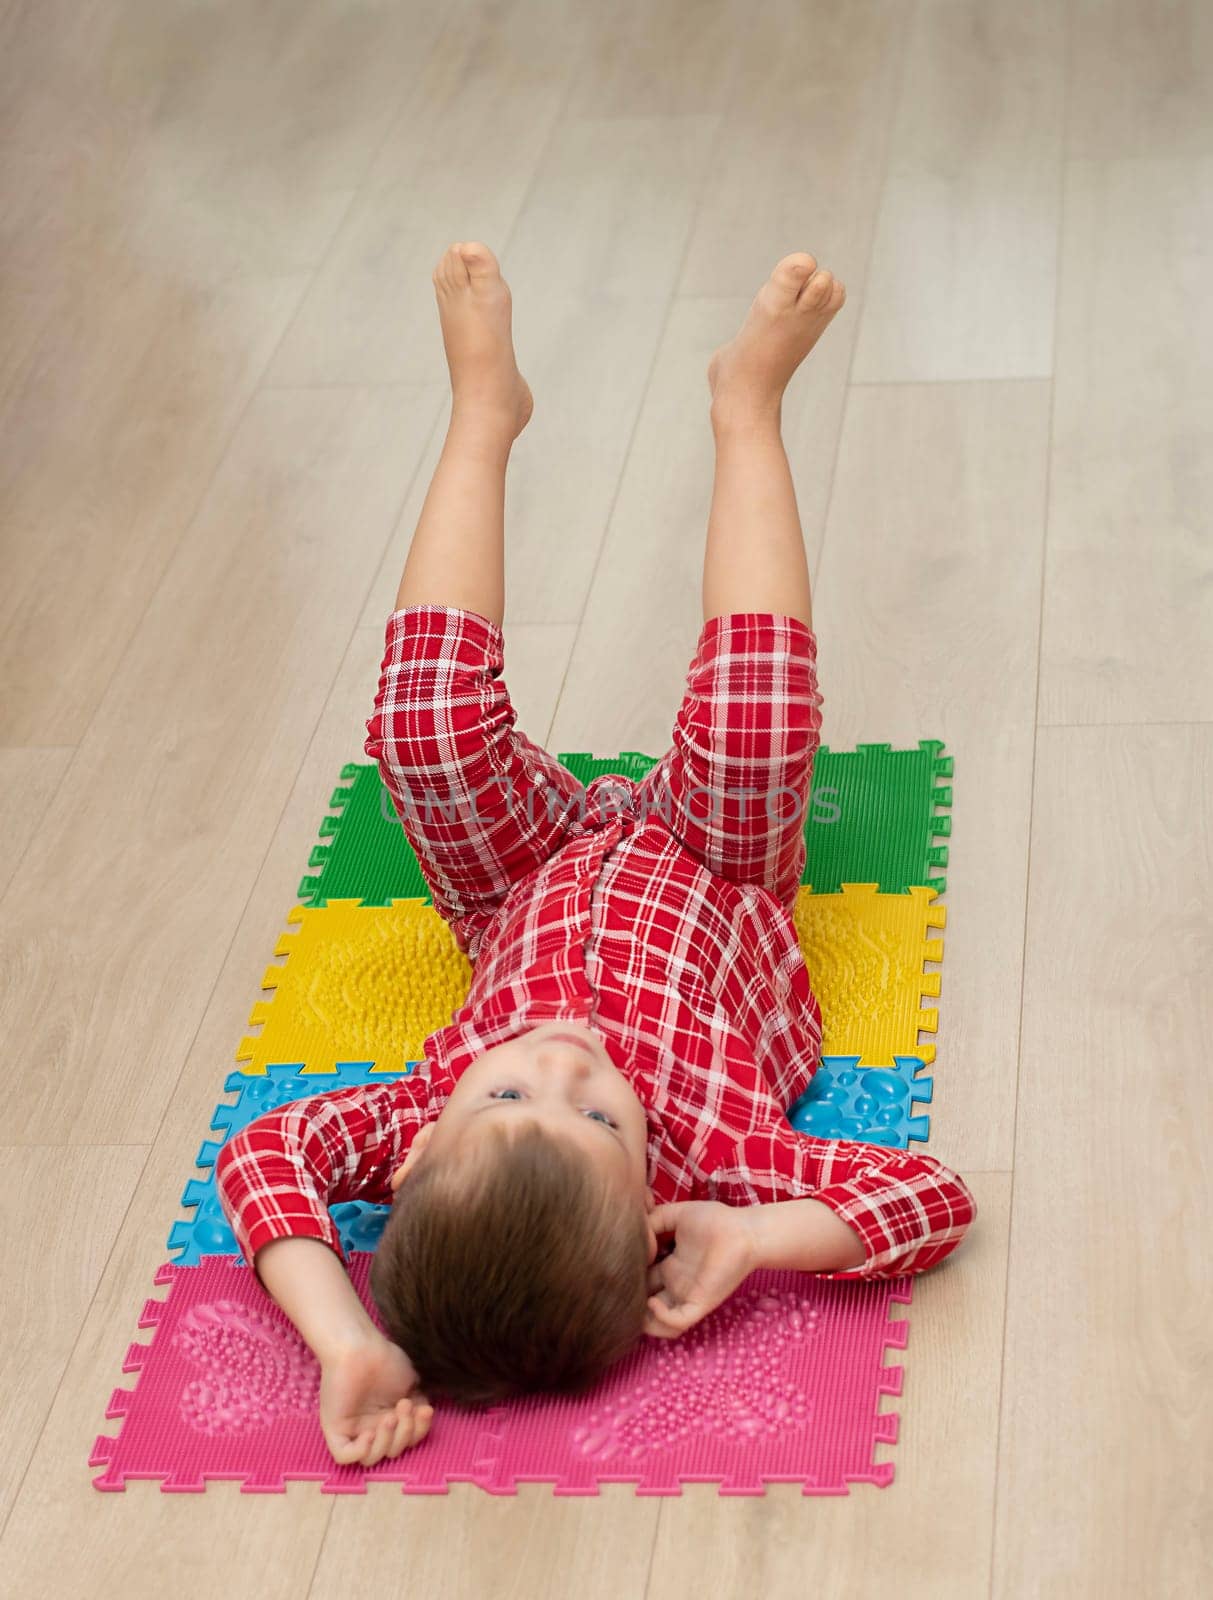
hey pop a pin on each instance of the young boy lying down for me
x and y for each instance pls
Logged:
(639, 1013)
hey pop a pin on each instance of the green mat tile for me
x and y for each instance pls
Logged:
(367, 857)
(628, 764)
(876, 816)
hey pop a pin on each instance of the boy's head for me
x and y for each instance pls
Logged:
(517, 1253)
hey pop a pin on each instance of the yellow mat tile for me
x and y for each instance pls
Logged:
(369, 983)
(360, 983)
(865, 953)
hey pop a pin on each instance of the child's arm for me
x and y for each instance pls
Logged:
(717, 1246)
(909, 1210)
(836, 1207)
(370, 1405)
(310, 1284)
(278, 1176)
(805, 1236)
(276, 1180)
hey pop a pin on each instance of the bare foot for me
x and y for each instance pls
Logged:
(474, 307)
(790, 313)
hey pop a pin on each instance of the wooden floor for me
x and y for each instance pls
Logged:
(221, 393)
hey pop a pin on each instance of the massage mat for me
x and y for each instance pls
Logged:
(778, 1385)
(781, 1384)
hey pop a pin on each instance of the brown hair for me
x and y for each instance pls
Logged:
(522, 1271)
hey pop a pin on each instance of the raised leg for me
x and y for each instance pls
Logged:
(735, 782)
(457, 557)
(754, 559)
(480, 804)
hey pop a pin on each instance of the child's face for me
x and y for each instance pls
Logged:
(559, 1075)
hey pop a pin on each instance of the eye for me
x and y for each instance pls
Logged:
(517, 1095)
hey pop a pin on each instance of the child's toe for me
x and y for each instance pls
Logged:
(790, 274)
(817, 291)
(479, 260)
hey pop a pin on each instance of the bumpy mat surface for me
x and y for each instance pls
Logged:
(779, 1385)
(866, 953)
(360, 983)
(876, 815)
(783, 1383)
(207, 1232)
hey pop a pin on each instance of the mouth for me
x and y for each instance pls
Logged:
(573, 1038)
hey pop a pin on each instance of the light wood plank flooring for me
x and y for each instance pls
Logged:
(221, 394)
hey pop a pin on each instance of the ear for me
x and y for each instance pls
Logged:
(649, 1204)
(420, 1139)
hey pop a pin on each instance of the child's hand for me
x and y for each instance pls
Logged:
(714, 1249)
(370, 1406)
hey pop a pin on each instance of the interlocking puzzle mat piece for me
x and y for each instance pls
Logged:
(866, 954)
(876, 816)
(781, 1384)
(373, 982)
(843, 1102)
(367, 857)
(627, 764)
(207, 1232)
(360, 983)
(847, 1101)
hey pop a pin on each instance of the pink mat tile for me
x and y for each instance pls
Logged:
(780, 1384)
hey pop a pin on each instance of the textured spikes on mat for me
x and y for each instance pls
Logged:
(207, 1232)
(360, 983)
(627, 764)
(789, 1371)
(876, 815)
(368, 857)
(866, 954)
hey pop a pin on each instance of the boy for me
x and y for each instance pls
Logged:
(639, 1014)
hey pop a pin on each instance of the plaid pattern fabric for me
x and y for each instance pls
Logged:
(658, 912)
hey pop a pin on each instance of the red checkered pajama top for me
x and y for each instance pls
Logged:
(657, 912)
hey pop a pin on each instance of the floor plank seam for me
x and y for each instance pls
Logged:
(896, 101)
(1067, 80)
